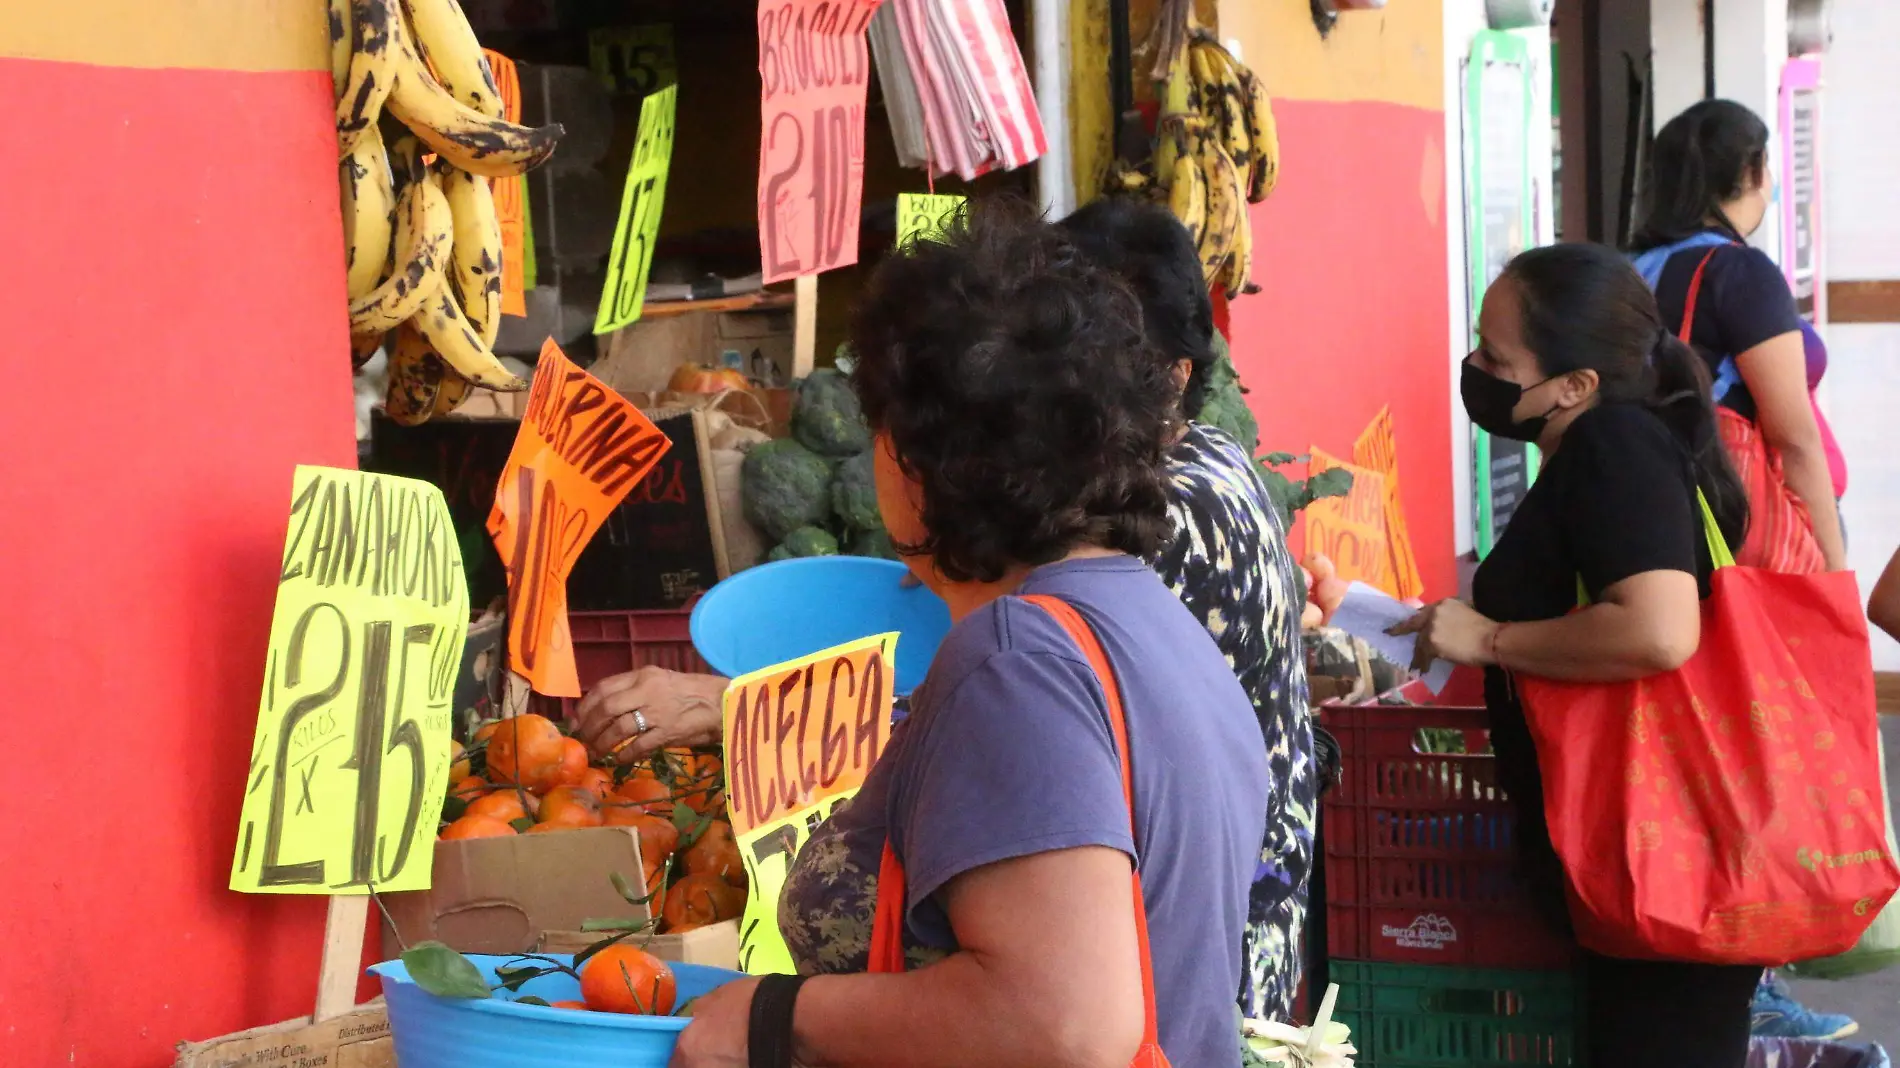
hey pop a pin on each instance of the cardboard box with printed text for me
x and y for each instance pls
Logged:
(531, 893)
(356, 1039)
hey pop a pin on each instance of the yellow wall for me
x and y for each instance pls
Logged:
(1393, 55)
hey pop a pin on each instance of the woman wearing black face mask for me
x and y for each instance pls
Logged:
(1574, 357)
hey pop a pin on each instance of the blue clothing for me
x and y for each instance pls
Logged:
(1007, 753)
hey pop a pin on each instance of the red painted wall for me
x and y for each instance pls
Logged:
(1353, 311)
(173, 347)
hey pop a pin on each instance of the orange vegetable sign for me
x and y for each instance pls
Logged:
(800, 737)
(814, 67)
(1378, 449)
(581, 449)
(1352, 529)
(510, 196)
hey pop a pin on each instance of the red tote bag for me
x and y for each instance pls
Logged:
(1730, 811)
(1780, 530)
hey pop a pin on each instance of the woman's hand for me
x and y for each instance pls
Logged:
(721, 1029)
(632, 716)
(1451, 631)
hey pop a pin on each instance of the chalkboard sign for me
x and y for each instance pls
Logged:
(662, 545)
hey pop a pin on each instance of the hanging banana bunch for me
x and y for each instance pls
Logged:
(423, 243)
(1216, 147)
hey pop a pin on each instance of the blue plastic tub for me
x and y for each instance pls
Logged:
(433, 1032)
(772, 613)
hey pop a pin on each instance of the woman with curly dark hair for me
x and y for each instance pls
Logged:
(1227, 560)
(1075, 726)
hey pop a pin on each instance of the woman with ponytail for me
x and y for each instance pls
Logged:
(1574, 357)
(1709, 188)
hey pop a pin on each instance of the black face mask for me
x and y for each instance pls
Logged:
(1490, 400)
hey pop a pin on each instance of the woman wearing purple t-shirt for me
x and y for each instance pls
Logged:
(1021, 421)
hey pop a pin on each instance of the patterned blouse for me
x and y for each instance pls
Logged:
(1230, 565)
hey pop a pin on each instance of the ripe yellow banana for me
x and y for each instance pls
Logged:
(369, 213)
(422, 247)
(475, 262)
(363, 348)
(1266, 139)
(375, 40)
(448, 46)
(448, 332)
(492, 148)
(339, 46)
(1176, 102)
(1226, 208)
(1238, 277)
(415, 379)
(1187, 196)
(452, 392)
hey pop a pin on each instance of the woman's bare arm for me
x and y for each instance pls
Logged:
(1642, 626)
(1776, 372)
(1048, 976)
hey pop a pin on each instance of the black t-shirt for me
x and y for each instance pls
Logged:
(1617, 499)
(1745, 300)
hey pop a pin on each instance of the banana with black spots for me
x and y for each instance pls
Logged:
(375, 42)
(1226, 208)
(448, 332)
(1266, 138)
(369, 213)
(339, 46)
(415, 380)
(475, 260)
(448, 47)
(422, 248)
(462, 136)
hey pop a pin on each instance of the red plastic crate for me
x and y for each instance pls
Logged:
(1420, 864)
(611, 643)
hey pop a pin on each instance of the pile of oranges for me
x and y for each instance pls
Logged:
(534, 779)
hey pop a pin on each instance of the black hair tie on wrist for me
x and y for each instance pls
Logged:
(769, 1033)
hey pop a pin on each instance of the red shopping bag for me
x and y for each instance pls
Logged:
(1729, 811)
(1780, 530)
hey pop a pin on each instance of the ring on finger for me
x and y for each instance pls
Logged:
(640, 724)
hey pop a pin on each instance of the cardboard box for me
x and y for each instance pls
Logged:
(358, 1039)
(642, 357)
(716, 945)
(501, 895)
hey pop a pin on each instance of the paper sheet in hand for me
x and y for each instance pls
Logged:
(1367, 613)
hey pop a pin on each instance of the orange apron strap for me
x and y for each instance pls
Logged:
(887, 929)
(1091, 646)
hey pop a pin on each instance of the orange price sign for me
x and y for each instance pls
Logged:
(510, 196)
(1351, 529)
(1378, 449)
(814, 67)
(581, 449)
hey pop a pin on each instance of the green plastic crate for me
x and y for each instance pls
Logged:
(1427, 1016)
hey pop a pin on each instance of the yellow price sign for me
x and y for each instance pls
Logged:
(800, 737)
(351, 760)
(922, 216)
(624, 295)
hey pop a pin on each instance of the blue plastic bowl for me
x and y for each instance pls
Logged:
(772, 613)
(433, 1032)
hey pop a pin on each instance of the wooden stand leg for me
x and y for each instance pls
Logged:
(342, 956)
(805, 325)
